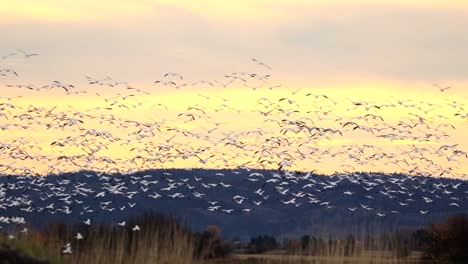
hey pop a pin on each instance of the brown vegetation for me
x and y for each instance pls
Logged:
(447, 242)
(163, 239)
(14, 256)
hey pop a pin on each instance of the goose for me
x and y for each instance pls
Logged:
(67, 249)
(78, 236)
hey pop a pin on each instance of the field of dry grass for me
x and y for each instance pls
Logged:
(173, 247)
(366, 257)
(164, 240)
(102, 256)
(160, 240)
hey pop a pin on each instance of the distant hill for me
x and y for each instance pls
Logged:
(243, 203)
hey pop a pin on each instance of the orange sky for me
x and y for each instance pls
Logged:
(92, 11)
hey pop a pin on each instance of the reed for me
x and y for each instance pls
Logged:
(164, 239)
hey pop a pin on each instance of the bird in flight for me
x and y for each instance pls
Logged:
(8, 55)
(27, 55)
(442, 89)
(78, 236)
(67, 249)
(261, 63)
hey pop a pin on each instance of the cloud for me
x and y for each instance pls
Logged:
(63, 11)
(389, 41)
(422, 41)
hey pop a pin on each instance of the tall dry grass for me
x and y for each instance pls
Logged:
(160, 240)
(165, 240)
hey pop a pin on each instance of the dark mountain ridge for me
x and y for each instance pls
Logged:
(242, 202)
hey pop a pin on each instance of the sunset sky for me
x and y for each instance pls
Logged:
(362, 49)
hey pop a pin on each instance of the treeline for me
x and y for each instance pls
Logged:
(319, 246)
(446, 242)
(439, 243)
(400, 242)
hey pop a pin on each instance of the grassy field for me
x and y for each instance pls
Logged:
(103, 257)
(164, 240)
(365, 257)
(178, 250)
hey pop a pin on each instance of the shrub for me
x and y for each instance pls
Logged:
(209, 244)
(447, 242)
(262, 244)
(14, 256)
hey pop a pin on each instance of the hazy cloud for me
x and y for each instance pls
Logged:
(388, 41)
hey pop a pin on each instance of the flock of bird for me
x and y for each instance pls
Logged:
(91, 197)
(272, 128)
